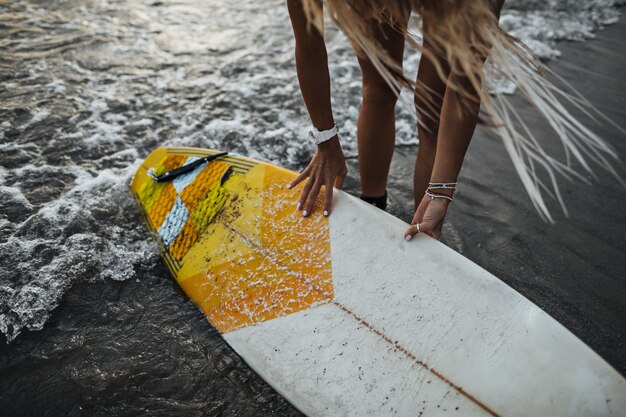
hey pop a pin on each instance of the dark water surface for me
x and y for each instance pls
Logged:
(91, 321)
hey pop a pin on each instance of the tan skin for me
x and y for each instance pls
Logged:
(444, 134)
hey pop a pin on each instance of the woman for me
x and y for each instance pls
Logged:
(458, 36)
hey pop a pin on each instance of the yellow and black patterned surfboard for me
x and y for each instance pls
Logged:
(235, 212)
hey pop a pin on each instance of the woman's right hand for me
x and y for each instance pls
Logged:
(327, 168)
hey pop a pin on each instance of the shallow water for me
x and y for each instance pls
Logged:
(89, 88)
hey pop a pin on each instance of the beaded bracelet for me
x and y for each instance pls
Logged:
(441, 185)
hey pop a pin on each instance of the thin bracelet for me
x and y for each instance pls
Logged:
(434, 195)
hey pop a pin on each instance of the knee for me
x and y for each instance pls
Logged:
(379, 94)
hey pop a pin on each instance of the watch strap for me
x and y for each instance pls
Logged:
(320, 136)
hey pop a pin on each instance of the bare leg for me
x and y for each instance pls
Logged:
(376, 129)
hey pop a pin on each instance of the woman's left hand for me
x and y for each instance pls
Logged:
(429, 215)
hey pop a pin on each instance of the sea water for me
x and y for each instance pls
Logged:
(89, 88)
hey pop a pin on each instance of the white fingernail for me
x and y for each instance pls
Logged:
(289, 186)
(325, 212)
(304, 213)
(298, 205)
(408, 237)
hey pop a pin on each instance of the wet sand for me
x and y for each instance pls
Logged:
(102, 352)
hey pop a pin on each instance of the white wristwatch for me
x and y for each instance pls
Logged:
(323, 135)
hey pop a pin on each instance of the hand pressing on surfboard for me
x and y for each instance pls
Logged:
(327, 168)
(429, 216)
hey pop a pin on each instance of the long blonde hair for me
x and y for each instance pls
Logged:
(465, 33)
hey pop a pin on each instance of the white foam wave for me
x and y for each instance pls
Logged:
(81, 237)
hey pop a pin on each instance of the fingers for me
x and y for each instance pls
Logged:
(436, 232)
(417, 217)
(309, 194)
(340, 178)
(423, 227)
(312, 196)
(300, 178)
(305, 193)
(412, 231)
(339, 182)
(428, 220)
(318, 176)
(328, 198)
(428, 226)
(421, 209)
(328, 195)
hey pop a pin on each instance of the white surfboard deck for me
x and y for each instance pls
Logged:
(415, 329)
(403, 328)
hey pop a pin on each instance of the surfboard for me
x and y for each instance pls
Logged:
(343, 317)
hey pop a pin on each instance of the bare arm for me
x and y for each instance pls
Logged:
(458, 119)
(327, 167)
(312, 67)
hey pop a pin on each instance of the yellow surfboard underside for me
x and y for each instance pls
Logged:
(232, 238)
